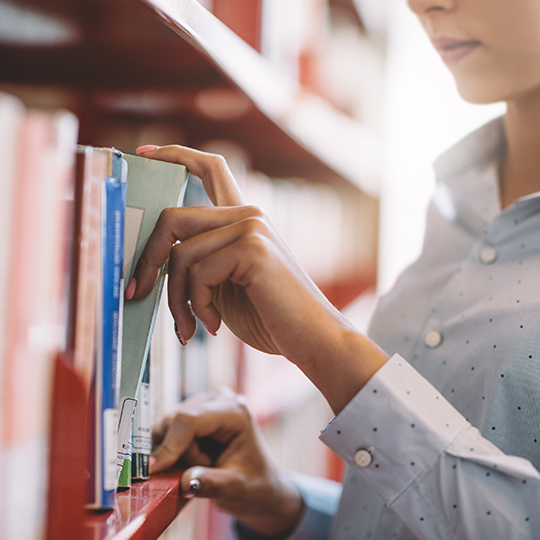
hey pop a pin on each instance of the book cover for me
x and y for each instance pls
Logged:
(102, 485)
(152, 187)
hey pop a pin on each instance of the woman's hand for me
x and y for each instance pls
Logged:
(213, 435)
(231, 265)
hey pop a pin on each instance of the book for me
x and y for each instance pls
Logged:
(104, 389)
(12, 113)
(34, 332)
(152, 187)
(87, 287)
(141, 440)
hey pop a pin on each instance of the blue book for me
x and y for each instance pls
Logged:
(106, 382)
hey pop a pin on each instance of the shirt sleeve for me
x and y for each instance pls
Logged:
(321, 498)
(434, 469)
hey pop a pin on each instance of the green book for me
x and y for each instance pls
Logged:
(152, 187)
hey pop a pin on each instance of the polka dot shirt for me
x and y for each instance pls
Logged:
(446, 444)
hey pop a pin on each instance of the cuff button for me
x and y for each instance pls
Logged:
(363, 457)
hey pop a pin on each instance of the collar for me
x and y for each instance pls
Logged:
(477, 150)
(467, 179)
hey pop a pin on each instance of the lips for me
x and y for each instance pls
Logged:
(453, 50)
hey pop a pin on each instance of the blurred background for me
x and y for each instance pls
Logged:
(330, 113)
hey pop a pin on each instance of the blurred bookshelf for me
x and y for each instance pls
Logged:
(170, 71)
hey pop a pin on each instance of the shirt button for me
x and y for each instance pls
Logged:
(488, 255)
(433, 339)
(363, 457)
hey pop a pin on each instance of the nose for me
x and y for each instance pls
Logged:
(424, 7)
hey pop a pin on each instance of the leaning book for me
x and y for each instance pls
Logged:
(152, 187)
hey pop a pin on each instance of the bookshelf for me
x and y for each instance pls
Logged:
(121, 65)
(142, 512)
(130, 60)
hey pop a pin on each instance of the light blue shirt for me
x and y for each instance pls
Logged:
(450, 437)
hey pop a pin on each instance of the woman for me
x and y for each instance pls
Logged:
(429, 447)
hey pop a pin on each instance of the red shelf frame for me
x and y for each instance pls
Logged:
(141, 513)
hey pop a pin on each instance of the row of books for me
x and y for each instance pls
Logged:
(37, 197)
(73, 223)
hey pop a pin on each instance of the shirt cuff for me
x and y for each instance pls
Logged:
(394, 429)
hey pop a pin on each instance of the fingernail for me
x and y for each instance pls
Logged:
(209, 331)
(151, 462)
(194, 486)
(130, 290)
(179, 335)
(146, 148)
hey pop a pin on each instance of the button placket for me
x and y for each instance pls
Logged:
(488, 255)
(433, 339)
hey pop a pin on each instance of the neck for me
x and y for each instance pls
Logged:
(520, 171)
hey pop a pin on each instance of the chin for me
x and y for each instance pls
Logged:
(481, 91)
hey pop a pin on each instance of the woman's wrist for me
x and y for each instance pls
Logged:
(283, 512)
(345, 368)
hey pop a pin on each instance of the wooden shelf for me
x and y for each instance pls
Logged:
(141, 513)
(122, 63)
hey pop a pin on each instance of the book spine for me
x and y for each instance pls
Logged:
(112, 276)
(142, 430)
(97, 497)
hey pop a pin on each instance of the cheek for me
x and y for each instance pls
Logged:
(501, 80)
(501, 71)
(509, 62)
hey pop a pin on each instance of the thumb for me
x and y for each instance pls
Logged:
(210, 483)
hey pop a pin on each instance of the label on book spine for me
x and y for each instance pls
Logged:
(110, 424)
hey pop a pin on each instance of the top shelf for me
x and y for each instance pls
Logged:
(128, 64)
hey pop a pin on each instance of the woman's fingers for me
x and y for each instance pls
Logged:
(174, 442)
(218, 181)
(198, 265)
(179, 224)
(159, 429)
(219, 418)
(236, 263)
